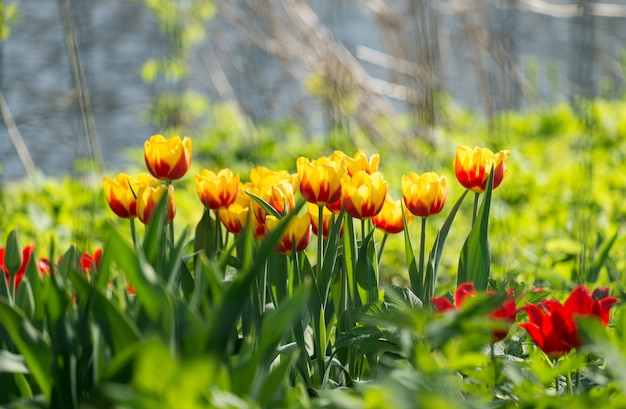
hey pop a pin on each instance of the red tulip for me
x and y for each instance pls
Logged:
(553, 326)
(19, 274)
(506, 312)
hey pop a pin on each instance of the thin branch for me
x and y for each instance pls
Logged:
(16, 137)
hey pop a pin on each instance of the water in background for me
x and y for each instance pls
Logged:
(118, 36)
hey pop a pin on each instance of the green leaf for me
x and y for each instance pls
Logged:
(31, 343)
(475, 259)
(155, 239)
(434, 259)
(330, 258)
(118, 330)
(279, 322)
(12, 363)
(267, 387)
(598, 262)
(238, 294)
(266, 206)
(366, 280)
(411, 263)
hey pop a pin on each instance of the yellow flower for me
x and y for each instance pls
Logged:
(167, 159)
(320, 180)
(358, 162)
(363, 195)
(279, 196)
(298, 231)
(389, 220)
(148, 198)
(235, 216)
(262, 176)
(424, 195)
(472, 167)
(121, 190)
(217, 191)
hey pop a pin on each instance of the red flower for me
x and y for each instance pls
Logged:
(552, 325)
(88, 262)
(506, 312)
(26, 256)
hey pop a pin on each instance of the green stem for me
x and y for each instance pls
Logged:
(169, 182)
(320, 239)
(216, 237)
(362, 230)
(133, 231)
(171, 237)
(495, 367)
(421, 260)
(382, 247)
(475, 211)
(570, 387)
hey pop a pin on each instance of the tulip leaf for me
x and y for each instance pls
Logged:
(118, 330)
(434, 259)
(365, 277)
(475, 258)
(597, 264)
(269, 209)
(330, 258)
(276, 324)
(238, 294)
(414, 277)
(30, 343)
(155, 239)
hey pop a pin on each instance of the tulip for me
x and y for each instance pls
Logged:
(505, 313)
(327, 219)
(121, 191)
(217, 191)
(261, 176)
(90, 262)
(424, 195)
(235, 216)
(358, 162)
(279, 196)
(148, 199)
(298, 231)
(389, 220)
(472, 167)
(552, 325)
(320, 180)
(27, 253)
(167, 159)
(363, 195)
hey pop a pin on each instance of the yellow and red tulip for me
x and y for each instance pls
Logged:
(167, 159)
(472, 167)
(389, 220)
(262, 176)
(217, 191)
(148, 199)
(120, 193)
(235, 216)
(320, 180)
(298, 231)
(363, 196)
(358, 162)
(424, 195)
(279, 196)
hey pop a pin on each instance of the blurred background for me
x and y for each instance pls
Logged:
(83, 80)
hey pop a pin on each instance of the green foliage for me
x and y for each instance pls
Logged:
(222, 321)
